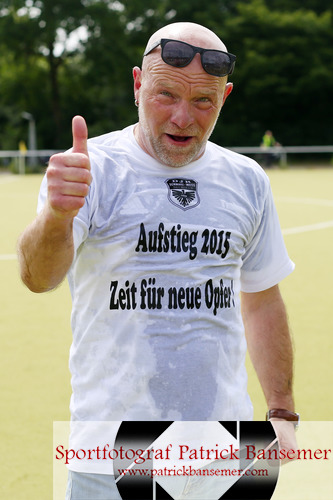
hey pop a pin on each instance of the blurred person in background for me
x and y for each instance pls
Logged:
(268, 141)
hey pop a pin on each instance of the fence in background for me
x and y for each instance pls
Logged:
(280, 152)
(22, 157)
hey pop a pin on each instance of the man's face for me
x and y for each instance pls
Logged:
(178, 109)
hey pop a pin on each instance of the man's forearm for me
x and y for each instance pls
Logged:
(45, 252)
(270, 346)
(46, 247)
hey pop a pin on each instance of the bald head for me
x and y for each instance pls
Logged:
(192, 33)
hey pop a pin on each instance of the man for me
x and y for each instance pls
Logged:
(159, 231)
(268, 141)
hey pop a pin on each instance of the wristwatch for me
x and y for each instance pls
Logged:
(285, 415)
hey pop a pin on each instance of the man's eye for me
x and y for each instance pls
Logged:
(203, 103)
(165, 97)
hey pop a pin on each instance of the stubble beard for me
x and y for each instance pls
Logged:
(168, 154)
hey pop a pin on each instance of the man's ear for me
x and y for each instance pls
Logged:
(227, 91)
(137, 75)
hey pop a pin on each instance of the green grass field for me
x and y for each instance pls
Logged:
(35, 329)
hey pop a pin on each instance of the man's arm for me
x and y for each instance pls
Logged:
(269, 345)
(46, 249)
(271, 352)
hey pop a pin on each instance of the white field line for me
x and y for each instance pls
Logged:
(4, 179)
(304, 229)
(305, 201)
(8, 256)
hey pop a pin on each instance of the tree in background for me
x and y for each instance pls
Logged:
(284, 76)
(31, 30)
(60, 57)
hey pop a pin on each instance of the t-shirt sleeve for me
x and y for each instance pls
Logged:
(265, 261)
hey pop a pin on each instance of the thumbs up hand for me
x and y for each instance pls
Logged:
(69, 176)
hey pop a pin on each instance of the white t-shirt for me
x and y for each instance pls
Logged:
(161, 255)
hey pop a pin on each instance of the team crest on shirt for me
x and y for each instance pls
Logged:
(183, 193)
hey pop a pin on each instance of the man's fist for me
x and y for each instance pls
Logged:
(68, 174)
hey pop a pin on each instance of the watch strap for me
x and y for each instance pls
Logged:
(284, 415)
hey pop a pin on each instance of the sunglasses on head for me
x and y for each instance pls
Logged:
(180, 54)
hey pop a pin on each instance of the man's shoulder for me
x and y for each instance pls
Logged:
(112, 151)
(240, 173)
(118, 138)
(110, 155)
(240, 164)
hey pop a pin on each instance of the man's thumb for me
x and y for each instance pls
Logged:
(80, 135)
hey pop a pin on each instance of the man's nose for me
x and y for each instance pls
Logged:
(182, 115)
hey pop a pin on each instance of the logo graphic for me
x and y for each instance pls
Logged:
(183, 193)
(196, 460)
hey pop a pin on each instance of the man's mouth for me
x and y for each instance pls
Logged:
(180, 138)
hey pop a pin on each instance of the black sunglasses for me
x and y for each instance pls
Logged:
(180, 54)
